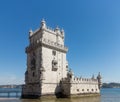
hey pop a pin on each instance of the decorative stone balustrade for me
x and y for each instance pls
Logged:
(48, 43)
(54, 44)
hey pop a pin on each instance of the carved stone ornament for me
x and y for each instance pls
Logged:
(54, 65)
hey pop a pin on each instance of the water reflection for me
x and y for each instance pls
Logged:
(83, 99)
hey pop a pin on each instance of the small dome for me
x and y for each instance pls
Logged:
(62, 31)
(57, 28)
(30, 31)
(43, 21)
(99, 76)
(43, 24)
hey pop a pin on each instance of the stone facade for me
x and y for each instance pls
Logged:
(48, 72)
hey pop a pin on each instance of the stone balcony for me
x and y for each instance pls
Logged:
(47, 43)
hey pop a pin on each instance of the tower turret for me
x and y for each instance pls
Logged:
(57, 30)
(99, 80)
(30, 32)
(43, 24)
(70, 74)
(62, 33)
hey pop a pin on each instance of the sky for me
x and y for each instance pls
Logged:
(92, 34)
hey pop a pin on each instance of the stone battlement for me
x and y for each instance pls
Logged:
(55, 31)
(84, 80)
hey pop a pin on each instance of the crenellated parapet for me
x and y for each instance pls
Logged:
(84, 80)
(45, 28)
(74, 79)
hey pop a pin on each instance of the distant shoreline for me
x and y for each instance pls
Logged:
(10, 98)
(111, 85)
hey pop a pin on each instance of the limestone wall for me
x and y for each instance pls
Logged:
(50, 36)
(33, 74)
(50, 88)
(30, 89)
(36, 35)
(84, 85)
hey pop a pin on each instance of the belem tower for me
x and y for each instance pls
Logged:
(48, 72)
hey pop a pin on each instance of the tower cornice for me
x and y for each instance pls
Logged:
(46, 43)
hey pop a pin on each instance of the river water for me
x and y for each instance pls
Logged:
(107, 95)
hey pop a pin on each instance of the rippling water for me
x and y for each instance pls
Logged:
(110, 95)
(107, 95)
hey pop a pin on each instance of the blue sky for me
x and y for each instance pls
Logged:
(92, 29)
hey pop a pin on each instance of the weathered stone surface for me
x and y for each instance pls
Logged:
(47, 68)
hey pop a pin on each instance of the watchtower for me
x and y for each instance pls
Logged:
(46, 61)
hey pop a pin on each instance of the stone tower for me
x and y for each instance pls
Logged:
(46, 62)
(47, 68)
